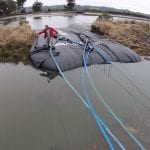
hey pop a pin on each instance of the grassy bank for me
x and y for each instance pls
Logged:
(135, 35)
(15, 43)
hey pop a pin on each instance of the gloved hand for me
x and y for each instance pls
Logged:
(56, 35)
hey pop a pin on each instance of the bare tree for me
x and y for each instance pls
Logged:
(20, 3)
(70, 4)
(37, 6)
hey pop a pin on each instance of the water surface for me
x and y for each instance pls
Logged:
(39, 111)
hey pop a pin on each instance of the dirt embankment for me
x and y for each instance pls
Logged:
(15, 42)
(135, 35)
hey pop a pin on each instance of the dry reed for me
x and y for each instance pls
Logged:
(135, 35)
(15, 42)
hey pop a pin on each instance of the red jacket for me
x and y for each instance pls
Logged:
(51, 32)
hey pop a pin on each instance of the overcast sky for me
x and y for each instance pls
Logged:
(134, 5)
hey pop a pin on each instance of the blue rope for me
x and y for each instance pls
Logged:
(84, 102)
(85, 66)
(110, 110)
(90, 104)
(107, 61)
(101, 98)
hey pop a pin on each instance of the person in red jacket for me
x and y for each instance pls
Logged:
(49, 33)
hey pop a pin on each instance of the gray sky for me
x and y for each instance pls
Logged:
(134, 5)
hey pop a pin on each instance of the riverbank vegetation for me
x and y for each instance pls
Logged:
(15, 42)
(11, 7)
(7, 7)
(37, 6)
(133, 34)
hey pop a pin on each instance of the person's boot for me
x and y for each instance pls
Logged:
(53, 48)
(46, 46)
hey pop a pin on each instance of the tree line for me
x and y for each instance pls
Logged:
(8, 7)
(37, 6)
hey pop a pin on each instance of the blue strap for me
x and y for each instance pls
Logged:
(84, 102)
(90, 104)
(112, 113)
(101, 98)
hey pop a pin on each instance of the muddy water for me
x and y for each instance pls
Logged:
(39, 111)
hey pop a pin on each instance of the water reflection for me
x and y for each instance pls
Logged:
(37, 17)
(13, 22)
(48, 75)
(70, 19)
(8, 21)
(43, 116)
(55, 20)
